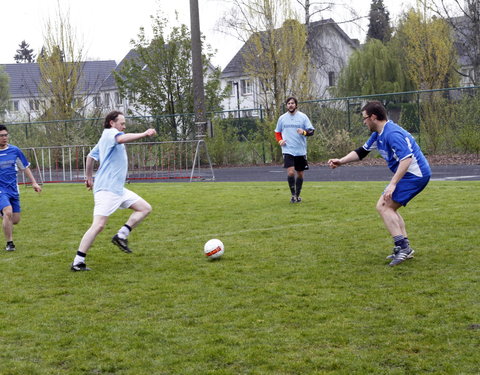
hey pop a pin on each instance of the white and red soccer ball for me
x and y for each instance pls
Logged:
(213, 249)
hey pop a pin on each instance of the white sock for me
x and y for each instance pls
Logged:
(123, 232)
(78, 259)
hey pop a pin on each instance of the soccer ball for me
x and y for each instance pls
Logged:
(213, 249)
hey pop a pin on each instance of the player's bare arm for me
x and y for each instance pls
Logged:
(89, 172)
(349, 158)
(401, 170)
(35, 185)
(132, 137)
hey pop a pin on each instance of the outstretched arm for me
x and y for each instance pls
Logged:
(132, 137)
(350, 157)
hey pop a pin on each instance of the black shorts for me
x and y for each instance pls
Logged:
(299, 162)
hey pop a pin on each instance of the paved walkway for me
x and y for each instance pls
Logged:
(344, 173)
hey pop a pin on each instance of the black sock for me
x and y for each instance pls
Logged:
(80, 254)
(291, 184)
(299, 185)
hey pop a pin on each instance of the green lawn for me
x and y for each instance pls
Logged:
(301, 289)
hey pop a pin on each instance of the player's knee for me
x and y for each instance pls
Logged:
(148, 208)
(381, 207)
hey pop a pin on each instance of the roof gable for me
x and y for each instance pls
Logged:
(236, 66)
(25, 79)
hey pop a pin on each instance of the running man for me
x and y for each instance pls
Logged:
(11, 160)
(109, 191)
(292, 129)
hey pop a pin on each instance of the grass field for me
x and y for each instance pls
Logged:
(301, 289)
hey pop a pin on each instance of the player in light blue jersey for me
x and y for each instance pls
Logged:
(11, 160)
(292, 129)
(411, 173)
(109, 191)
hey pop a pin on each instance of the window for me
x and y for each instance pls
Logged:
(34, 105)
(331, 79)
(97, 101)
(245, 87)
(118, 99)
(231, 88)
(14, 105)
(106, 99)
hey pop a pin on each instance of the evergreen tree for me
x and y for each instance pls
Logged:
(379, 27)
(24, 53)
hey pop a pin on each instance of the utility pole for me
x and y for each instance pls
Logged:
(197, 71)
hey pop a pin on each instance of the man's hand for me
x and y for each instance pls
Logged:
(388, 192)
(89, 183)
(334, 163)
(150, 132)
(282, 142)
(37, 187)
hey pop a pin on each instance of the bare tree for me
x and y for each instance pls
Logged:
(464, 18)
(60, 64)
(285, 52)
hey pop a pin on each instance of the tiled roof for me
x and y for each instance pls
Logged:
(236, 66)
(25, 78)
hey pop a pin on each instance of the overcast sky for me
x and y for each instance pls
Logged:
(107, 26)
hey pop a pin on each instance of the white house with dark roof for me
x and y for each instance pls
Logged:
(96, 88)
(330, 49)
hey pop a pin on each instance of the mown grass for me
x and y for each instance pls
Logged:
(301, 289)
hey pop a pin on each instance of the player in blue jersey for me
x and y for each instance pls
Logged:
(11, 160)
(109, 191)
(292, 129)
(411, 172)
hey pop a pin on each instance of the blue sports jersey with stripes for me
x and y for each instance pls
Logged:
(11, 160)
(395, 144)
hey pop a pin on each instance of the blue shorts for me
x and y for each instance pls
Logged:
(7, 200)
(408, 188)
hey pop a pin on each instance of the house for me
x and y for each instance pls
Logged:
(468, 48)
(96, 90)
(330, 49)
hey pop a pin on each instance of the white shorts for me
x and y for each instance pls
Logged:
(106, 202)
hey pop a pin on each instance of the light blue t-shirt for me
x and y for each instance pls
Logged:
(11, 159)
(396, 144)
(288, 124)
(113, 160)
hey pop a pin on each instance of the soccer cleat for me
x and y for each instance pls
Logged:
(396, 249)
(299, 200)
(79, 267)
(10, 247)
(293, 199)
(401, 255)
(122, 243)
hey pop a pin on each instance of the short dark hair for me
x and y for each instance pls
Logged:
(292, 98)
(375, 108)
(112, 116)
(3, 127)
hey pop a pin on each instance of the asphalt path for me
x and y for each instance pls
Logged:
(344, 173)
